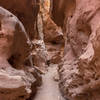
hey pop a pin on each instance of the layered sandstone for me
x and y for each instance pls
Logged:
(17, 81)
(79, 70)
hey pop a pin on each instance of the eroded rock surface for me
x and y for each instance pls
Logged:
(26, 11)
(16, 80)
(53, 35)
(54, 40)
(79, 71)
(40, 54)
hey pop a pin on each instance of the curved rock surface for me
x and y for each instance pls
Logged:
(28, 13)
(79, 71)
(17, 82)
(25, 10)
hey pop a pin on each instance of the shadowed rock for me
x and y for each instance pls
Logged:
(14, 84)
(25, 10)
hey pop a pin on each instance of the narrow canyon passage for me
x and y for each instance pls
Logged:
(49, 90)
(41, 40)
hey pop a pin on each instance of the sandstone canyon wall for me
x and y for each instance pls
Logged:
(53, 35)
(30, 40)
(18, 78)
(25, 10)
(33, 41)
(28, 13)
(79, 70)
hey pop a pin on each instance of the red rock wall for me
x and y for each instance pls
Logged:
(15, 49)
(59, 9)
(79, 71)
(25, 10)
(17, 81)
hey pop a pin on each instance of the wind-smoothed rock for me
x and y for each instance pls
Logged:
(26, 11)
(17, 82)
(79, 71)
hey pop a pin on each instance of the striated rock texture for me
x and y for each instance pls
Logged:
(79, 70)
(17, 82)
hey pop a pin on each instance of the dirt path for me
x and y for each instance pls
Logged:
(49, 89)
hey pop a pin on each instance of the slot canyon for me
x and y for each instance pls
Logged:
(49, 50)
